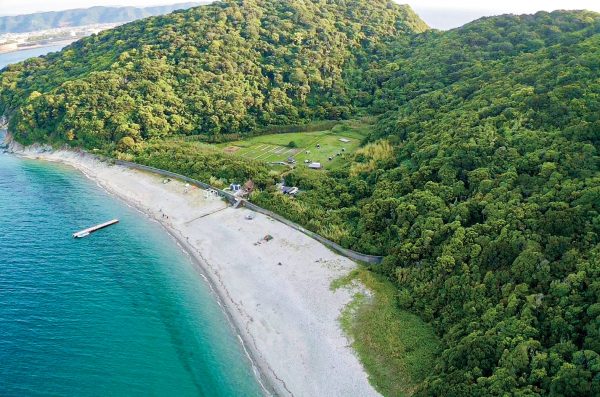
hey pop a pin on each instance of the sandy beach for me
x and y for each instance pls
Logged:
(277, 293)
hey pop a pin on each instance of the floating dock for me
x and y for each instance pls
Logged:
(87, 232)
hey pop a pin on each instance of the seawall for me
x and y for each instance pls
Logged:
(371, 259)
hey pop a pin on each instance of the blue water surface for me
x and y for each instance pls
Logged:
(123, 312)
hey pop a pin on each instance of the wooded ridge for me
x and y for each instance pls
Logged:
(479, 181)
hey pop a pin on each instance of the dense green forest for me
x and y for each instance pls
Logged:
(221, 69)
(82, 16)
(480, 182)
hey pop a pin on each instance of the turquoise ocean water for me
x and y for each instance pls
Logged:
(121, 313)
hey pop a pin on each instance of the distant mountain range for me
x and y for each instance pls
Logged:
(84, 16)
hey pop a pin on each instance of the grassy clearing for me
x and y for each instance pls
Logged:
(278, 148)
(396, 347)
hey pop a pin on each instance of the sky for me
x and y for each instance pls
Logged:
(440, 14)
(444, 14)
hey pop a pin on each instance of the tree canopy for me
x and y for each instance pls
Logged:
(229, 67)
(480, 181)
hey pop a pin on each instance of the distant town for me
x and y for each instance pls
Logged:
(10, 42)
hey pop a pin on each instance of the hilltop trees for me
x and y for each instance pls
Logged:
(479, 182)
(488, 207)
(226, 68)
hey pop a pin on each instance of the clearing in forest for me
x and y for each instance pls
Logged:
(337, 143)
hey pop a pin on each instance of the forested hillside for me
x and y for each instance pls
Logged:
(417, 64)
(483, 189)
(83, 16)
(221, 69)
(494, 210)
(480, 182)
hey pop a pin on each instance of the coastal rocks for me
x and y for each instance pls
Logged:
(11, 146)
(3, 141)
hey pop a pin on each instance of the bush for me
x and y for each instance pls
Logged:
(126, 143)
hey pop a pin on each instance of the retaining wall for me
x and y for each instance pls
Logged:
(372, 259)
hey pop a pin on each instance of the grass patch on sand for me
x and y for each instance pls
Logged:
(396, 347)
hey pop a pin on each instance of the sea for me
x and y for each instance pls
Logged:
(18, 56)
(123, 312)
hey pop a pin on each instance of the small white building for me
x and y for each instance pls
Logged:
(292, 191)
(345, 140)
(315, 166)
